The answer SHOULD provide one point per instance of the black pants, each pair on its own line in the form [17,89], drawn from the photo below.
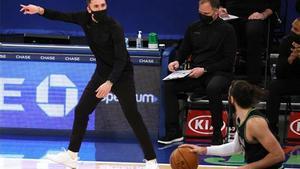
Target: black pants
[124,89]
[278,88]
[215,86]
[251,36]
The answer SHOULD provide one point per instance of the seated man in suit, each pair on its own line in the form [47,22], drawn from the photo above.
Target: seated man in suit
[288,74]
[211,43]
[251,29]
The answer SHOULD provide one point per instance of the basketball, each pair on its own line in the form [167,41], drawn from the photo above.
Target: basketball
[183,158]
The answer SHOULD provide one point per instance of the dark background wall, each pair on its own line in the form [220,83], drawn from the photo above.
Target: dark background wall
[288,13]
[169,18]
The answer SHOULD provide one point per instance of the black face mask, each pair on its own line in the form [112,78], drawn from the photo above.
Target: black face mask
[295,37]
[100,15]
[206,19]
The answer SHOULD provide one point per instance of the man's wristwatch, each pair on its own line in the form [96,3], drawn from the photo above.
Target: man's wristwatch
[205,70]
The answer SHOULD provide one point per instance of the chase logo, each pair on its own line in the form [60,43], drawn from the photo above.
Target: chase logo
[42,95]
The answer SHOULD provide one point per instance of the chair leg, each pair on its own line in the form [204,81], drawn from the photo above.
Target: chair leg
[230,123]
[267,59]
[183,111]
[287,111]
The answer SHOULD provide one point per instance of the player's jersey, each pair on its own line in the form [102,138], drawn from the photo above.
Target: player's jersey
[253,151]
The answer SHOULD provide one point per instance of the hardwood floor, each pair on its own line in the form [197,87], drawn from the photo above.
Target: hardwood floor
[15,163]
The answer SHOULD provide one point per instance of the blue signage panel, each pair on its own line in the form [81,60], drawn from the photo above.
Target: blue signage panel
[41,95]
[41,90]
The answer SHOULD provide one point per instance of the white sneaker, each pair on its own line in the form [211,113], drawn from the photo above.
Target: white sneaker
[65,159]
[151,164]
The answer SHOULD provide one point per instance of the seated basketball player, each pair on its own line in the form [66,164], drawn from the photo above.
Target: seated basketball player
[253,137]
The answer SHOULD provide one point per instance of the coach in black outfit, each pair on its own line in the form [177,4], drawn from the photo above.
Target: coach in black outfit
[211,43]
[114,72]
[251,29]
[288,74]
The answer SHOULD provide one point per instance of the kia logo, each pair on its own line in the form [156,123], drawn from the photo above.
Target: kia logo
[202,125]
[295,127]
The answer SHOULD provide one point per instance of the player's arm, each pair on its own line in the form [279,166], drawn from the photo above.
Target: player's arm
[220,150]
[226,149]
[257,129]
[50,14]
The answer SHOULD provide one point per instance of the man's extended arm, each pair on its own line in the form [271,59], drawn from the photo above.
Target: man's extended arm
[76,18]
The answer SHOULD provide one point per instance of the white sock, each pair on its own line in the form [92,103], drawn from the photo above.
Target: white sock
[153,160]
[73,155]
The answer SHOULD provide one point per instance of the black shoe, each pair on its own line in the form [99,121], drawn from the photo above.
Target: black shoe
[217,139]
[170,138]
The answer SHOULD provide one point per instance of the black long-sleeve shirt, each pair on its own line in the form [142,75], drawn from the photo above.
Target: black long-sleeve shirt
[212,46]
[105,39]
[285,70]
[244,8]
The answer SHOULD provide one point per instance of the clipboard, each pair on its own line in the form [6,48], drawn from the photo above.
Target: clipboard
[178,74]
[229,17]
